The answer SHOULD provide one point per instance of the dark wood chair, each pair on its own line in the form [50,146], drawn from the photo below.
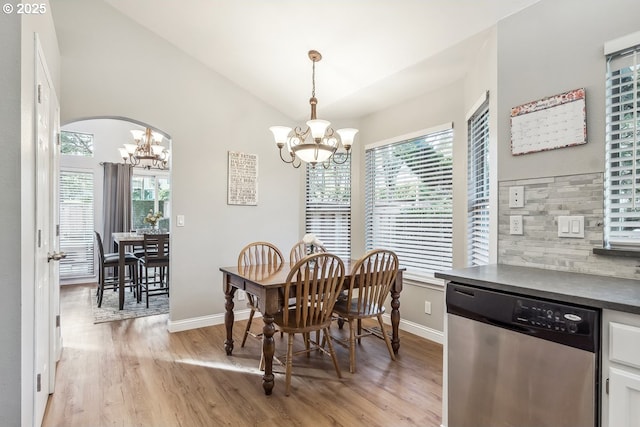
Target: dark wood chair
[111,261]
[263,254]
[155,257]
[315,281]
[371,281]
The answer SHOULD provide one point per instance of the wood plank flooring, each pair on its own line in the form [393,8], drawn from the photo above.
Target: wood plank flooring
[135,373]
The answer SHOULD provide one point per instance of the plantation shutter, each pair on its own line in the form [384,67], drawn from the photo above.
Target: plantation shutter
[478,187]
[408,200]
[622,177]
[76,224]
[328,205]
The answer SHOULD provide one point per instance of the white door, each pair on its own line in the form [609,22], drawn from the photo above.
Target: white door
[55,344]
[45,268]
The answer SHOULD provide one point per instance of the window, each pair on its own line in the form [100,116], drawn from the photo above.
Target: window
[408,200]
[150,193]
[76,144]
[76,224]
[478,186]
[622,169]
[328,205]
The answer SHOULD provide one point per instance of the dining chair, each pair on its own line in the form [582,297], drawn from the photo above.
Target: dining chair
[315,281]
[263,254]
[156,257]
[371,279]
[301,250]
[111,260]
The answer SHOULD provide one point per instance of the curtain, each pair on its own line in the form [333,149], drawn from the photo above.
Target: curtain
[116,210]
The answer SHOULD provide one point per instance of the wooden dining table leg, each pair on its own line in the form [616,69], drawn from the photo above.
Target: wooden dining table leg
[395,321]
[228,316]
[268,350]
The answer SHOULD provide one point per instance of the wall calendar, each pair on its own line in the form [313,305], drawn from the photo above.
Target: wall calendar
[242,186]
[549,123]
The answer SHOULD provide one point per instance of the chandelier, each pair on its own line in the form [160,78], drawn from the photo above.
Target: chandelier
[318,143]
[147,151]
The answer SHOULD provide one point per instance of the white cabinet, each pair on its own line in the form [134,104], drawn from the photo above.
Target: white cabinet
[621,367]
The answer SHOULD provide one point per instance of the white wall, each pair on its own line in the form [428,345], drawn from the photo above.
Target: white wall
[10,276]
[17,217]
[550,48]
[113,67]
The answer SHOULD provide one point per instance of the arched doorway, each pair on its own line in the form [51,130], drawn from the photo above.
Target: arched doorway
[87,145]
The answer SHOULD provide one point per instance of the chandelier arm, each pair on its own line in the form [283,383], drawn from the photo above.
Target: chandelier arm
[342,162]
[293,157]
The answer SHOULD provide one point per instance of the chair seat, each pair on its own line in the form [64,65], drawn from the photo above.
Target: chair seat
[345,309]
[113,258]
[291,326]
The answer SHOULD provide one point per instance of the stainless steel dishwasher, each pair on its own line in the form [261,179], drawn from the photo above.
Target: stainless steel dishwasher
[518,361]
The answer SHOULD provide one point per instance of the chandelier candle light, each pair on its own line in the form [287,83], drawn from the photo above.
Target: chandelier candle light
[147,151]
[318,143]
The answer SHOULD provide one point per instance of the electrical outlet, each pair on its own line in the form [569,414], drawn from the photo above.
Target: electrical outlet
[516,197]
[241,295]
[515,224]
[427,307]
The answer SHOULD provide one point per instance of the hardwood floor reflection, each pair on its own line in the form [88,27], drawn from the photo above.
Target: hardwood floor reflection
[135,373]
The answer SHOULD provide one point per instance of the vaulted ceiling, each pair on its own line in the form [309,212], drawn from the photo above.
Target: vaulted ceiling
[375,52]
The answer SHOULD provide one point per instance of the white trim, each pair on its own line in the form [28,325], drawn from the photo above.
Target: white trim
[417,329]
[622,43]
[218,319]
[476,105]
[405,137]
[205,321]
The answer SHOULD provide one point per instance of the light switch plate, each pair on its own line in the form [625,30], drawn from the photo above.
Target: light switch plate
[180,220]
[571,226]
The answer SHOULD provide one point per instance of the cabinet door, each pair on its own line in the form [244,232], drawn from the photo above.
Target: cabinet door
[624,398]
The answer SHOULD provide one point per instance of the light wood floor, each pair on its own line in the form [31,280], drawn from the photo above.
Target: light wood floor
[135,373]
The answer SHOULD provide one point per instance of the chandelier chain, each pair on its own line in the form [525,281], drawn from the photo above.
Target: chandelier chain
[313,79]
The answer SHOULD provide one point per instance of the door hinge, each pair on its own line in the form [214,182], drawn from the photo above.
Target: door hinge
[606,384]
[58,321]
[39,238]
[59,139]
[57,230]
[39,382]
[39,94]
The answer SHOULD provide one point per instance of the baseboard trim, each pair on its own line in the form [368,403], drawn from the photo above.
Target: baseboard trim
[417,329]
[218,319]
[204,321]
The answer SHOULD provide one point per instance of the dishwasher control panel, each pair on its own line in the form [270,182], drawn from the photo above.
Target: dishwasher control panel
[550,316]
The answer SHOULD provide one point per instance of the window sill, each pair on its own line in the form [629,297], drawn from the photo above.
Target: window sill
[629,253]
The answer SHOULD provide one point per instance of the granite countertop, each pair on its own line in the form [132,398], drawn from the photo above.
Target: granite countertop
[583,289]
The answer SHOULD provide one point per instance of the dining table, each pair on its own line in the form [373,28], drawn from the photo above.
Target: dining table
[266,283]
[123,240]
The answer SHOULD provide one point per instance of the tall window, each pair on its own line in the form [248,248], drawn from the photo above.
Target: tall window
[150,193]
[478,186]
[622,177]
[408,200]
[328,206]
[76,224]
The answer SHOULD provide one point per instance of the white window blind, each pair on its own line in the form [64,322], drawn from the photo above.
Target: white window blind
[328,205]
[478,187]
[408,201]
[76,224]
[622,176]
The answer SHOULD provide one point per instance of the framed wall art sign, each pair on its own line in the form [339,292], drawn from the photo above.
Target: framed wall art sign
[549,123]
[242,179]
